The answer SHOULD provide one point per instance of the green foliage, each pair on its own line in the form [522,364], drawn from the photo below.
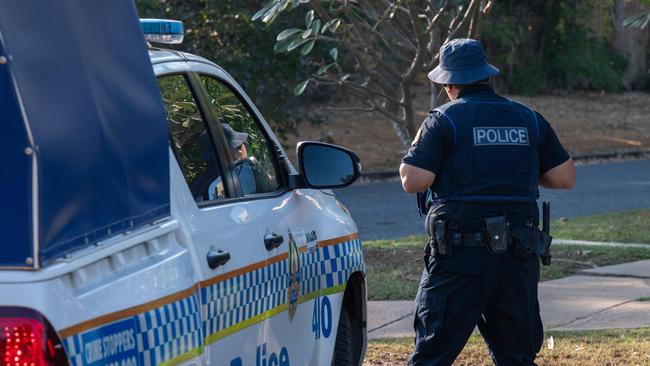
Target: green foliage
[223,31]
[585,63]
[527,77]
[541,45]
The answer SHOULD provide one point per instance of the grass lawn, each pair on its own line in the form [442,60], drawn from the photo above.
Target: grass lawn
[588,348]
[394,266]
[626,227]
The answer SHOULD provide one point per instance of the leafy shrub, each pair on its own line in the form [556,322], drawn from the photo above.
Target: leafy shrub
[541,45]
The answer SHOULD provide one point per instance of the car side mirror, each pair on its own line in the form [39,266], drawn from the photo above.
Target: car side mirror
[326,166]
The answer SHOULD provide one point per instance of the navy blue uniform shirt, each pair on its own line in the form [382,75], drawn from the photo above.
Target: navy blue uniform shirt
[434,142]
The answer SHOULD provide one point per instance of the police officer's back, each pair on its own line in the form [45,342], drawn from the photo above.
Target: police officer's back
[481,156]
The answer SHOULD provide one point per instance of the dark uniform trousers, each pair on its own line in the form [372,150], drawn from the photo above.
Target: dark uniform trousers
[469,288]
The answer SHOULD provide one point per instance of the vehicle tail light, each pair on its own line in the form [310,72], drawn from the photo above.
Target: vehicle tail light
[27,339]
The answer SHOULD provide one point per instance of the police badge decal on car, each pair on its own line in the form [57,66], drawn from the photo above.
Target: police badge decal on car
[293,288]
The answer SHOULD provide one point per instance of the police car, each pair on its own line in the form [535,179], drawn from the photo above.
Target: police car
[183,237]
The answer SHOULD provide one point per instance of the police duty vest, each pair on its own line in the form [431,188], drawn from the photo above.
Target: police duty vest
[494,153]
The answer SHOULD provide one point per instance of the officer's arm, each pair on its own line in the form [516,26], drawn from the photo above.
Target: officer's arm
[562,176]
[415,179]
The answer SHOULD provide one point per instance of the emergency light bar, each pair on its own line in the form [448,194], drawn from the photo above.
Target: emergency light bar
[162,30]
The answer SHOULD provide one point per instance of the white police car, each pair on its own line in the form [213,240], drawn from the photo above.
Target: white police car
[135,243]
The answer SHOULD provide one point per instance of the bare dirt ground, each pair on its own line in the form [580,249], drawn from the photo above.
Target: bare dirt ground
[587,124]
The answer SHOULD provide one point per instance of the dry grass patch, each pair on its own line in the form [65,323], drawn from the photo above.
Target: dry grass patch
[587,123]
[584,348]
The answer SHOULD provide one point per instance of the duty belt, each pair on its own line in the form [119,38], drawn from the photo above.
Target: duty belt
[494,236]
[467,240]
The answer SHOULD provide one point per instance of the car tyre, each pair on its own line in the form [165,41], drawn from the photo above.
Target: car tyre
[344,346]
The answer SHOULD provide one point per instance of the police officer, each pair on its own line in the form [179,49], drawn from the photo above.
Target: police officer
[481,156]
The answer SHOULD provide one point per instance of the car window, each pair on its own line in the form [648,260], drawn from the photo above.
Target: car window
[191,141]
[254,163]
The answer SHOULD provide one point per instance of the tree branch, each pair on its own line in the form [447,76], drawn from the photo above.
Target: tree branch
[351,109]
[421,43]
[472,5]
[356,86]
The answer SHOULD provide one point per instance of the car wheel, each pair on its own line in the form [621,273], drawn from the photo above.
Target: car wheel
[343,349]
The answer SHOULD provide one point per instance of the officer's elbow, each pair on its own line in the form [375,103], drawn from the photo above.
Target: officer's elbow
[569,182]
[415,179]
[412,187]
[560,177]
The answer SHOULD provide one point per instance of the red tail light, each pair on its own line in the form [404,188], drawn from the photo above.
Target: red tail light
[27,339]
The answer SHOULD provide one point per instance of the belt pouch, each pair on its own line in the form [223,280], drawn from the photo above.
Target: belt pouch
[525,241]
[496,229]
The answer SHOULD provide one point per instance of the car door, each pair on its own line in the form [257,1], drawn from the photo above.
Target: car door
[216,224]
[283,220]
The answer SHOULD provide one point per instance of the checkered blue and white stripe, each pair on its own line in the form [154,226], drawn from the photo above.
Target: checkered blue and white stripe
[174,329]
[160,334]
[237,299]
[340,261]
[169,331]
[310,270]
[74,350]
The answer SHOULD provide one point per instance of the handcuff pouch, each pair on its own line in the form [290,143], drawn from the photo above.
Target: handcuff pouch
[496,234]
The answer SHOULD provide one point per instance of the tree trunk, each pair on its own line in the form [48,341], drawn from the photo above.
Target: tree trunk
[402,134]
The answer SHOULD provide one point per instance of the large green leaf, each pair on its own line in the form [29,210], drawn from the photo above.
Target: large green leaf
[307,33]
[287,33]
[309,17]
[297,42]
[330,23]
[315,26]
[272,13]
[334,53]
[283,45]
[323,69]
[300,88]
[263,11]
[283,5]
[335,25]
[307,48]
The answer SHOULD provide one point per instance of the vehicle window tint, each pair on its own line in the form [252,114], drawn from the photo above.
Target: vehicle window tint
[254,164]
[190,140]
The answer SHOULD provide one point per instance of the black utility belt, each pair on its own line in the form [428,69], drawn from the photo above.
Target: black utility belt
[467,240]
[495,235]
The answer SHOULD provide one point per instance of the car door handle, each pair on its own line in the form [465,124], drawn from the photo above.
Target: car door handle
[217,258]
[272,241]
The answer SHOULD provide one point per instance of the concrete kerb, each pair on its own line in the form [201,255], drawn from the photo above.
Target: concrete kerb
[573,303]
[599,243]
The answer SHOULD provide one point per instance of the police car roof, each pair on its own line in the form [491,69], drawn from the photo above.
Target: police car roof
[162,55]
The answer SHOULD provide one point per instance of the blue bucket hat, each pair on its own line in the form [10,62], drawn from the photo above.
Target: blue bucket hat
[233,137]
[462,61]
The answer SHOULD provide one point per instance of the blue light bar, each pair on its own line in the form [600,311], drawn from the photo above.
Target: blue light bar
[162,30]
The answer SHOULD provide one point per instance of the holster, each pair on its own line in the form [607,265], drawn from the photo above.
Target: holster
[436,228]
